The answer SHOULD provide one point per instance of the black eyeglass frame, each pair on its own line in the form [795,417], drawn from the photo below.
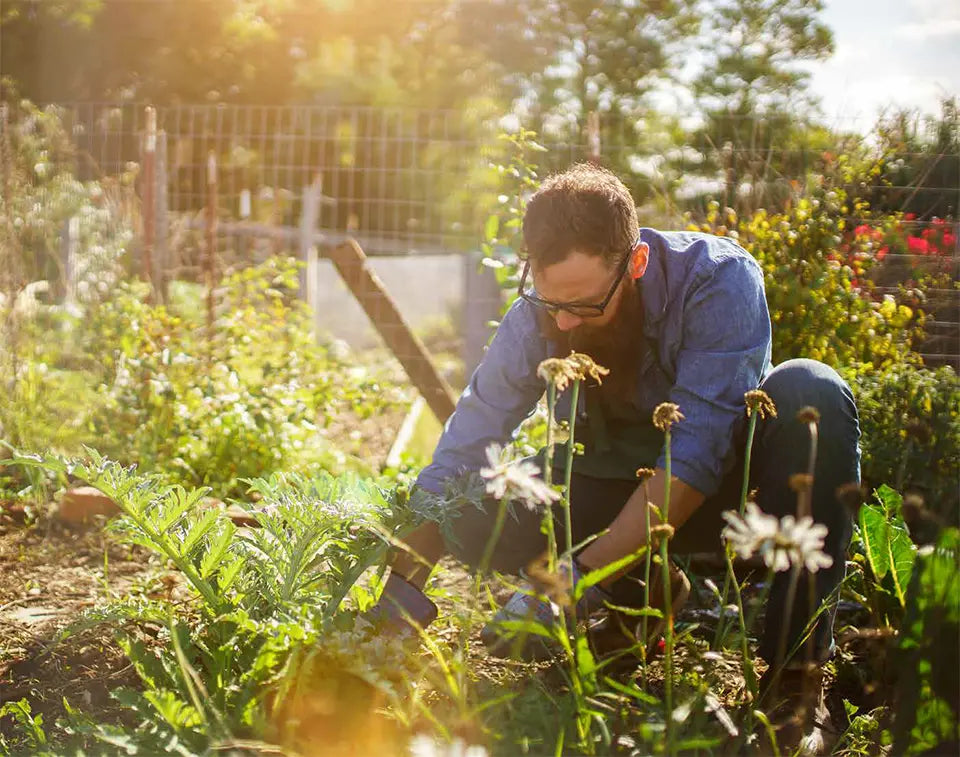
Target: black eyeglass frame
[579,309]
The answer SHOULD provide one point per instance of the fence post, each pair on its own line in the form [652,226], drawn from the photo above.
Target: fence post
[211,238]
[309,215]
[481,304]
[162,256]
[148,201]
[351,263]
[68,258]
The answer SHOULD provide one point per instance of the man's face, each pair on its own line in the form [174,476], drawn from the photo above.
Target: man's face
[580,278]
[613,339]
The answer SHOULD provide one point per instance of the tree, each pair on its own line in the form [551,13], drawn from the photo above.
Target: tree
[758,128]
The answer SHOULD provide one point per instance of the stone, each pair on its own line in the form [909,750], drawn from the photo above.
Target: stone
[81,504]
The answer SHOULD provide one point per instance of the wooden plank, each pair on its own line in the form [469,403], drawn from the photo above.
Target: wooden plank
[369,291]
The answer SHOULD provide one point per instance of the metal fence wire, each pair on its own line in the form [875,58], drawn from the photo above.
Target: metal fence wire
[408,181]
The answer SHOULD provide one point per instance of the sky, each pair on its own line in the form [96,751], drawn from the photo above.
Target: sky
[903,53]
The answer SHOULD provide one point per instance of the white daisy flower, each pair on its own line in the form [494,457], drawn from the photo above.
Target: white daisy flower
[507,478]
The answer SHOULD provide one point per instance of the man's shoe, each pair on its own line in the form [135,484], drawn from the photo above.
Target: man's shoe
[504,635]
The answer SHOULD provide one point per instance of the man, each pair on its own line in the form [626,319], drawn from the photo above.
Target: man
[678,317]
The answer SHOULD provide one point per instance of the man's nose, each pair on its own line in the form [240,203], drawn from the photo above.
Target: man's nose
[567,321]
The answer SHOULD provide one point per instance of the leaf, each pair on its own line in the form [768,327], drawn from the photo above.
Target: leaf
[876,538]
[217,550]
[491,228]
[596,576]
[887,543]
[199,530]
[891,500]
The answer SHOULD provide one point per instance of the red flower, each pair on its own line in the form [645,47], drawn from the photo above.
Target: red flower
[949,240]
[918,245]
[909,216]
[882,252]
[862,230]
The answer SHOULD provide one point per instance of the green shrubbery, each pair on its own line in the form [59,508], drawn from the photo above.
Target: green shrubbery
[210,408]
[90,359]
[820,308]
[910,421]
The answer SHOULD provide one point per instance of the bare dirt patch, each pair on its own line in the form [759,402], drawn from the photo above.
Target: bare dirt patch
[50,576]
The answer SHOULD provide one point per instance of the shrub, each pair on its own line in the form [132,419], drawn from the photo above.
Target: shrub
[816,310]
[910,422]
[242,401]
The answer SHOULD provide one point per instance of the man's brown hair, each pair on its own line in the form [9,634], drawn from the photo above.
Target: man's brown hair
[584,208]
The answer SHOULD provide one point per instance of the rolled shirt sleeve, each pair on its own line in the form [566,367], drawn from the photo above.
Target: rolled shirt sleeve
[723,353]
[502,392]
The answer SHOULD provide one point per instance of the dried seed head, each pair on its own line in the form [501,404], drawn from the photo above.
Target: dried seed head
[808,415]
[666,414]
[662,530]
[556,371]
[759,401]
[645,474]
[555,585]
[800,482]
[585,367]
[851,495]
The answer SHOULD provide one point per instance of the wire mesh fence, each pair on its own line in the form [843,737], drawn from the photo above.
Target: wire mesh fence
[416,182]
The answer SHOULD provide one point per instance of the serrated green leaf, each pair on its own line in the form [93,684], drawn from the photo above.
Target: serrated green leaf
[217,549]
[198,531]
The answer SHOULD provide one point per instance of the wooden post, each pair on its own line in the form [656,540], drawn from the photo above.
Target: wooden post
[593,138]
[351,263]
[309,215]
[148,212]
[162,256]
[68,257]
[481,304]
[211,239]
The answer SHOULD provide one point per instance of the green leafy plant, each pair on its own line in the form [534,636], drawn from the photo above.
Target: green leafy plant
[927,711]
[910,426]
[815,310]
[886,542]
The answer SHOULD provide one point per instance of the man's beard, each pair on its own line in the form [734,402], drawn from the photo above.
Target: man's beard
[615,345]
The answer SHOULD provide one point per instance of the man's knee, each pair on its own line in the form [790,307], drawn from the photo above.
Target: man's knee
[799,383]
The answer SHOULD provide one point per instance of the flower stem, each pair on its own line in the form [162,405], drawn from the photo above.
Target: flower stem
[548,478]
[647,560]
[568,473]
[744,489]
[667,601]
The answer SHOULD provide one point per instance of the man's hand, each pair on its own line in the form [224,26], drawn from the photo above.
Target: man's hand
[627,534]
[525,605]
[402,607]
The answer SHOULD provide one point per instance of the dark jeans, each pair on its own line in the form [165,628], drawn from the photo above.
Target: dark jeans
[780,448]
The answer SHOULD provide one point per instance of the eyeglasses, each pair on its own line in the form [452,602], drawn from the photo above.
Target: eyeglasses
[579,309]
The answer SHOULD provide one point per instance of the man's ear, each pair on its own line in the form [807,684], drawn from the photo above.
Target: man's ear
[638,263]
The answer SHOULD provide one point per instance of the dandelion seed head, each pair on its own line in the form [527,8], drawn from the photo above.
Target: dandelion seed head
[558,372]
[666,414]
[759,402]
[644,474]
[851,495]
[585,367]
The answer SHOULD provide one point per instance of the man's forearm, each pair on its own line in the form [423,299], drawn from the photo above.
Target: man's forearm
[628,532]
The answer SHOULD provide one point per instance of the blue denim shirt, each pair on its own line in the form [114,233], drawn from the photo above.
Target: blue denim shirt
[706,322]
